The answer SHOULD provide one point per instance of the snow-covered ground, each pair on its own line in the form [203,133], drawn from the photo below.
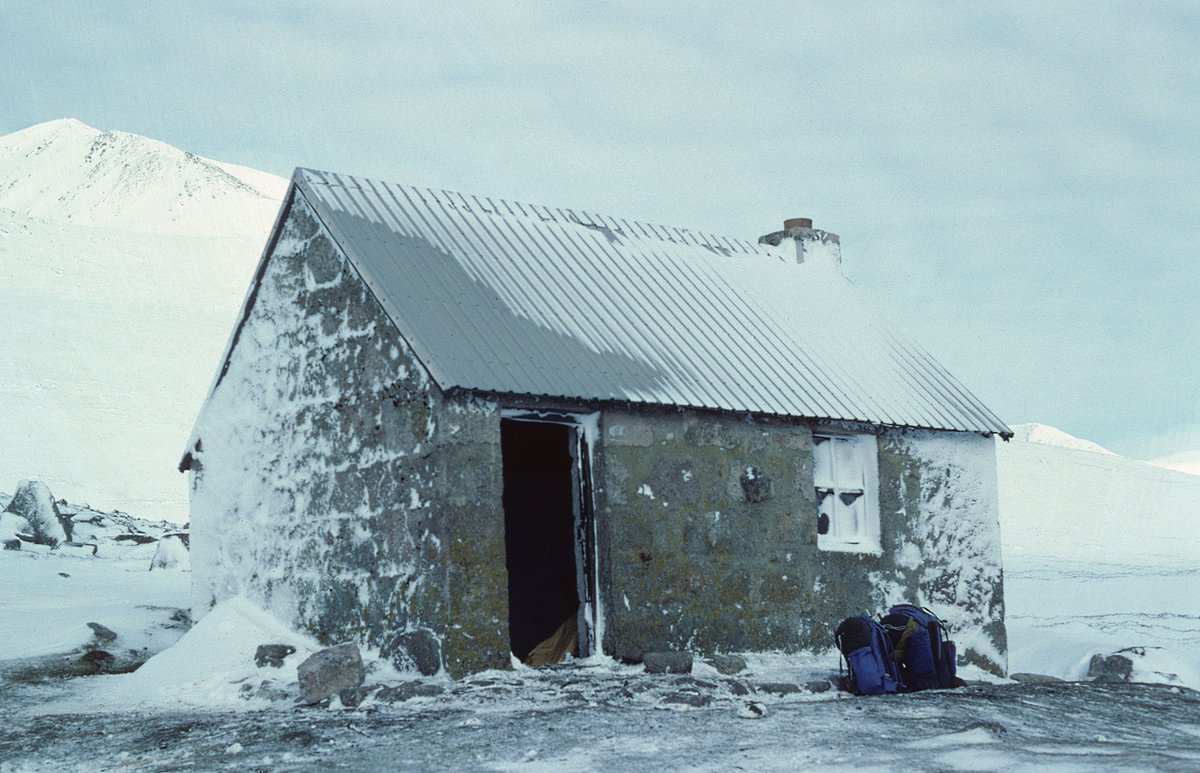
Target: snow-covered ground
[49,595]
[1101,553]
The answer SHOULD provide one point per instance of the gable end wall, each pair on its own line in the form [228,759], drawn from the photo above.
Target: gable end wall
[336,485]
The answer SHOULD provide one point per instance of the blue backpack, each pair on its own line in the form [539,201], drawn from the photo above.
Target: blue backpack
[868,652]
[927,657]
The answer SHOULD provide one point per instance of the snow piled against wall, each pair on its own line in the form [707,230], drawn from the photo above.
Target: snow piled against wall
[952,552]
[281,509]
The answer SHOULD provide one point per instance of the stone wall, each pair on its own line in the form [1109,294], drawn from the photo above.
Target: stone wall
[708,531]
[335,485]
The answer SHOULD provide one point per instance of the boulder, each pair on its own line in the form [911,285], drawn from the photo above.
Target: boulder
[668,662]
[34,503]
[101,633]
[12,544]
[727,664]
[330,671]
[417,650]
[1111,668]
[818,685]
[171,553]
[272,654]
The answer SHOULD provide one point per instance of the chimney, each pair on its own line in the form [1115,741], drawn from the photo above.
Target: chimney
[813,246]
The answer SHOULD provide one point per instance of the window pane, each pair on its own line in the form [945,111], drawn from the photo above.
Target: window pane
[823,464]
[847,464]
[851,517]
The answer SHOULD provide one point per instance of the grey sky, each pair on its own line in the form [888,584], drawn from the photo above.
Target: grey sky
[1018,183]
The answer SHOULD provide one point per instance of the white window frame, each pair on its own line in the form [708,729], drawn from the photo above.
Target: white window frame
[846,484]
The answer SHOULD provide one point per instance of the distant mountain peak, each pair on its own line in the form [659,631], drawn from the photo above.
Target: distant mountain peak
[67,171]
[1052,436]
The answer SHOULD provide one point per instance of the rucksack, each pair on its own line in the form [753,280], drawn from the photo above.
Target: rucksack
[868,653]
[919,639]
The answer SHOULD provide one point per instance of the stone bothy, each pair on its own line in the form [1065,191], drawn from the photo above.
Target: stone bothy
[447,427]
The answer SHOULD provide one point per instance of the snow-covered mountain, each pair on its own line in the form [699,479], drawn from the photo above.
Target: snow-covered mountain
[123,262]
[68,172]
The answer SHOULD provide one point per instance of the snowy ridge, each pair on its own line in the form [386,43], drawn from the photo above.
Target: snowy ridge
[1188,462]
[66,171]
[1052,436]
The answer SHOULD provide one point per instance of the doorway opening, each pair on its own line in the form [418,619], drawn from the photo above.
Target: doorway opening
[548,537]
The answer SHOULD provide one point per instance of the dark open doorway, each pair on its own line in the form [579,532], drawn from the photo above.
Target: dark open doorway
[547,532]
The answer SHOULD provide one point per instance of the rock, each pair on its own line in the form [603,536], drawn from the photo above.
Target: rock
[34,503]
[266,690]
[12,544]
[818,685]
[1025,678]
[407,690]
[779,688]
[102,633]
[330,671]
[756,485]
[98,661]
[691,681]
[688,698]
[752,710]
[272,654]
[172,553]
[182,536]
[738,687]
[301,737]
[356,695]
[727,664]
[137,539]
[86,549]
[417,650]
[668,662]
[1113,668]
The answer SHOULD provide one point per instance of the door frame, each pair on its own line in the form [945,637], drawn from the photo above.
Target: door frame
[583,432]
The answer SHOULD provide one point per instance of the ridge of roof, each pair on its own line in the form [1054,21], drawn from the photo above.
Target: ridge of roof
[497,207]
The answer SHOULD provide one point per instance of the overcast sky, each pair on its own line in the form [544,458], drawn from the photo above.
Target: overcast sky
[1018,183]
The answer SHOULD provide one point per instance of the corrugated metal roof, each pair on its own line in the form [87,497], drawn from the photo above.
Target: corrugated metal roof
[502,297]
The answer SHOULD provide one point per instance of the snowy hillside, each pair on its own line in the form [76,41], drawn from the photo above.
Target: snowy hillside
[123,263]
[67,172]
[1101,554]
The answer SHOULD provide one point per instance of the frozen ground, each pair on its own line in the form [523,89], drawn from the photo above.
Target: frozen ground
[199,704]
[619,721]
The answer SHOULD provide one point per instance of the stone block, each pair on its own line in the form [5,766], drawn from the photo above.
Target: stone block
[330,671]
[667,662]
[418,651]
[272,654]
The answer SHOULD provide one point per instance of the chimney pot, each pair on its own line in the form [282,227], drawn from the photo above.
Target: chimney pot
[797,222]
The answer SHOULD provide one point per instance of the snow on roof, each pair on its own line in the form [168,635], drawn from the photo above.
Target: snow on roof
[500,297]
